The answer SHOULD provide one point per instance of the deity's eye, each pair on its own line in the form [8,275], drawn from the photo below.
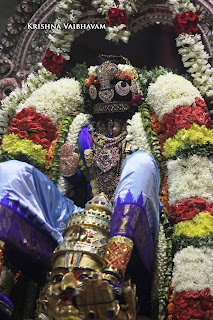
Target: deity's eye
[82,276]
[57,278]
[122,88]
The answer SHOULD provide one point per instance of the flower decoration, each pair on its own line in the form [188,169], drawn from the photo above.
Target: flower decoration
[200,226]
[186,22]
[116,17]
[136,100]
[33,126]
[137,135]
[188,208]
[188,140]
[53,62]
[56,99]
[194,56]
[169,91]
[183,117]
[26,150]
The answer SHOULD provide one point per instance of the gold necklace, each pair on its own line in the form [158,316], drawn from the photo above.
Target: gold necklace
[101,140]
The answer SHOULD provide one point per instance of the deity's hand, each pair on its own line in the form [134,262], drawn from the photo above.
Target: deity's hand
[68,160]
[95,299]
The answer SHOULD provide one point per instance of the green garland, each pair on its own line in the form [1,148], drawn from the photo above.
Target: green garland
[151,134]
[146,77]
[55,168]
[6,156]
[205,150]
[180,242]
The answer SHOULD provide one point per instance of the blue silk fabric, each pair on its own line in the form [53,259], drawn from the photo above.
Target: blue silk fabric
[33,213]
[137,206]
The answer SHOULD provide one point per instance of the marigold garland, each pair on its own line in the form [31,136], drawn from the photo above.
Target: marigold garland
[200,225]
[51,150]
[13,144]
[195,135]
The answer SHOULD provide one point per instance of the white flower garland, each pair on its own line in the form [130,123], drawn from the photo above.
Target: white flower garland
[178,7]
[193,269]
[103,6]
[56,99]
[63,185]
[9,104]
[161,269]
[195,59]
[80,121]
[169,91]
[137,135]
[92,70]
[188,178]
[116,33]
[194,56]
[61,39]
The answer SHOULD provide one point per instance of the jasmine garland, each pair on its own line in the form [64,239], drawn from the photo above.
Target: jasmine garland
[186,180]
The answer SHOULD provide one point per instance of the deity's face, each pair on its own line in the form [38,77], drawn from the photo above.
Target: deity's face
[65,279]
[63,284]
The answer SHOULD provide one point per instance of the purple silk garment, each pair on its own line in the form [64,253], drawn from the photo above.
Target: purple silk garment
[130,220]
[137,206]
[84,142]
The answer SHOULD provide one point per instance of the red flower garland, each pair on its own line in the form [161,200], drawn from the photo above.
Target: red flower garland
[187,209]
[186,22]
[33,126]
[193,305]
[116,17]
[183,117]
[53,62]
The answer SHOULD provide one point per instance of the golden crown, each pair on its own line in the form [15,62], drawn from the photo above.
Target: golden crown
[86,234]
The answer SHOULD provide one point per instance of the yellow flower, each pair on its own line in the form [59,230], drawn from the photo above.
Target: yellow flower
[196,135]
[200,225]
[12,144]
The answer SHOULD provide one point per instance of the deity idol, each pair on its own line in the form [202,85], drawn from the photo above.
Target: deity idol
[129,179]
